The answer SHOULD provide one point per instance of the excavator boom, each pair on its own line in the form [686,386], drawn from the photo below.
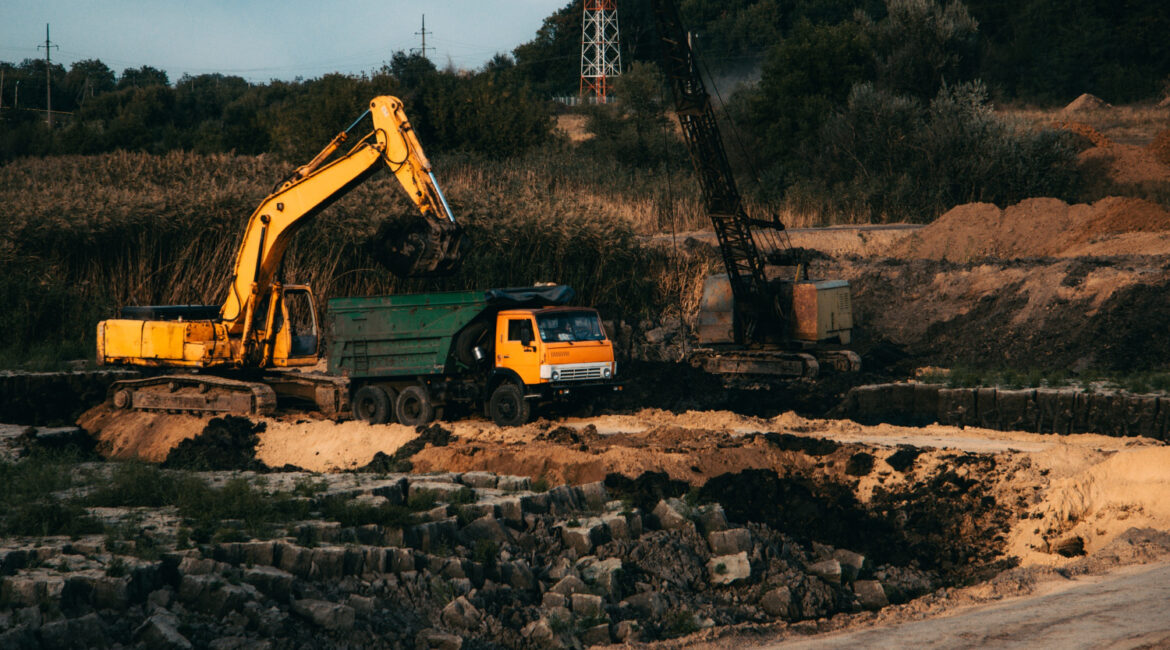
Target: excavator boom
[432,246]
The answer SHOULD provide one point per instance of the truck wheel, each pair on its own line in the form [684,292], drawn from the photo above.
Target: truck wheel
[372,404]
[414,406]
[508,406]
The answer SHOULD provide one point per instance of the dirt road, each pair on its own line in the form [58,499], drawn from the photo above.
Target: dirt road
[1125,608]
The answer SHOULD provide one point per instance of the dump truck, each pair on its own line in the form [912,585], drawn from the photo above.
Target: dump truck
[407,358]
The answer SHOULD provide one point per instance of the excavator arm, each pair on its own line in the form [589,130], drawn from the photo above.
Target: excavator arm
[421,248]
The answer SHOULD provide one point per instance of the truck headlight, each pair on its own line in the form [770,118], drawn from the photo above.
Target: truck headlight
[556,374]
[606,372]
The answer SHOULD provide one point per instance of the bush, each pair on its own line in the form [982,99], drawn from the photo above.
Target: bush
[893,158]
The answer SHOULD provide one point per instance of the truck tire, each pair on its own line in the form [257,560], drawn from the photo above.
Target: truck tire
[414,406]
[372,404]
[508,406]
[467,340]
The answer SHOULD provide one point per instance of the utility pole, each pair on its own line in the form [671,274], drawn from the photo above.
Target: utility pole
[423,33]
[1,88]
[48,77]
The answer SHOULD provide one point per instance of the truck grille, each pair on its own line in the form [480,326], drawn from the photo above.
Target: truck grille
[578,374]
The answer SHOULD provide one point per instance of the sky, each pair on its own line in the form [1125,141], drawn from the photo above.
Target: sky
[261,40]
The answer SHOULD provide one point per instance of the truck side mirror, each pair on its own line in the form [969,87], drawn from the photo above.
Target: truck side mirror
[526,337]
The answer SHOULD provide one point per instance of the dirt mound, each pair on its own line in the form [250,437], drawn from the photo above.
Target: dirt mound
[1086,131]
[1086,102]
[227,443]
[1042,227]
[1160,147]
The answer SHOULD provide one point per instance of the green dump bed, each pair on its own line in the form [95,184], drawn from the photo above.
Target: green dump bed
[385,336]
[411,335]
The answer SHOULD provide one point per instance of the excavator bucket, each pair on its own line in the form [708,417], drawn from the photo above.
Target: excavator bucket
[418,248]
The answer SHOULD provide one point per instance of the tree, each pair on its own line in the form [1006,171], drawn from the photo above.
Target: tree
[142,78]
[921,45]
[88,78]
[551,61]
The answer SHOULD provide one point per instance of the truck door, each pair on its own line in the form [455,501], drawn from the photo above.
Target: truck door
[516,347]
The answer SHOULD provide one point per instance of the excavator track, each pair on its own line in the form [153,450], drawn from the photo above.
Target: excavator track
[197,394]
[775,363]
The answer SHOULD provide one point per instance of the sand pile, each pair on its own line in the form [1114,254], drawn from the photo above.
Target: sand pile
[1086,102]
[1094,497]
[1042,227]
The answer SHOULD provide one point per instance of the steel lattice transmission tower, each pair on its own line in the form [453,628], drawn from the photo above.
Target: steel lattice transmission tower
[600,57]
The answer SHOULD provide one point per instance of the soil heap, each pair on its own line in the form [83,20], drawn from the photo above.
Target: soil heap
[1042,227]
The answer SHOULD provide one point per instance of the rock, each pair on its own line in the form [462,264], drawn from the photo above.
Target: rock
[604,574]
[514,483]
[671,514]
[432,638]
[627,631]
[363,605]
[564,498]
[587,605]
[569,585]
[539,632]
[480,479]
[870,594]
[711,518]
[647,603]
[553,599]
[596,635]
[827,570]
[83,632]
[726,569]
[776,602]
[322,613]
[851,563]
[583,538]
[486,528]
[161,631]
[443,491]
[518,575]
[595,494]
[728,542]
[616,525]
[461,614]
[273,582]
[560,568]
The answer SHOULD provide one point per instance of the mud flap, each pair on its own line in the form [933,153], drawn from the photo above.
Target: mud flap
[418,248]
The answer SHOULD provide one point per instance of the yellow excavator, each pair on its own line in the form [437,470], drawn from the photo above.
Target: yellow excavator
[263,323]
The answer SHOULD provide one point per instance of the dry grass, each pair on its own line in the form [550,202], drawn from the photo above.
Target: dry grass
[86,235]
[1135,124]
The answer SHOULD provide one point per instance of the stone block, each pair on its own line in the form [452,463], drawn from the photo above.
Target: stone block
[671,514]
[325,614]
[461,614]
[728,542]
[777,602]
[726,569]
[827,570]
[480,479]
[587,605]
[870,594]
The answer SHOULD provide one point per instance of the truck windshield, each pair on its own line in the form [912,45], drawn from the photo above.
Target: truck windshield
[570,326]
